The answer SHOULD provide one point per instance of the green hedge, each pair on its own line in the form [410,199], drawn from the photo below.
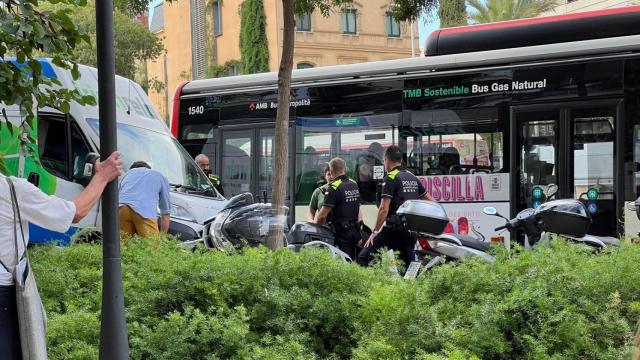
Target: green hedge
[558,302]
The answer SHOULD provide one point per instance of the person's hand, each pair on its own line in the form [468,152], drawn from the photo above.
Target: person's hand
[109,169]
[370,240]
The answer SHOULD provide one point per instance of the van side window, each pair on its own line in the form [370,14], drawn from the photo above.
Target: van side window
[52,144]
[79,151]
[62,146]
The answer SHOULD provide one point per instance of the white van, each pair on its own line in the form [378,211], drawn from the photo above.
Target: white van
[53,153]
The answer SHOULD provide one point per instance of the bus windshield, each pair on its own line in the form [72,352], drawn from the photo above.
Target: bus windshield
[162,153]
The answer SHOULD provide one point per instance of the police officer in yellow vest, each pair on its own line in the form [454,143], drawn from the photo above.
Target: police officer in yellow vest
[203,162]
[341,208]
[399,186]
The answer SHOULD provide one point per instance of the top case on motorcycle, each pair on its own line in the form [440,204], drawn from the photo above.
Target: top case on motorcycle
[423,216]
[303,233]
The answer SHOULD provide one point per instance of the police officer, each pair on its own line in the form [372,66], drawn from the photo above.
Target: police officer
[399,186]
[203,162]
[341,208]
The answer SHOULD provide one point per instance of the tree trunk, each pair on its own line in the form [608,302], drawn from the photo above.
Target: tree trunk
[280,171]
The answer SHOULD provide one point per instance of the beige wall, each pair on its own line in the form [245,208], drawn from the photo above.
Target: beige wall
[324,45]
[228,43]
[176,37]
[565,7]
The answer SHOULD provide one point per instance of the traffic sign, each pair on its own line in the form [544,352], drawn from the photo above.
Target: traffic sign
[592,207]
[592,194]
[536,203]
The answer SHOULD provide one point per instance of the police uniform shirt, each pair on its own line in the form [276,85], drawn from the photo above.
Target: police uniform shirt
[343,197]
[400,185]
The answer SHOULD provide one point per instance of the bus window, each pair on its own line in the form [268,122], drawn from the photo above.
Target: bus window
[455,154]
[454,142]
[197,131]
[363,151]
[593,153]
[236,162]
[314,151]
[360,139]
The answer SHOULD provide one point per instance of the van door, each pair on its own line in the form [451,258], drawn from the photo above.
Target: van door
[62,149]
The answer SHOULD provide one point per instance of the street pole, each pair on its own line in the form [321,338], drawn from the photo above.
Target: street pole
[113,327]
[413,40]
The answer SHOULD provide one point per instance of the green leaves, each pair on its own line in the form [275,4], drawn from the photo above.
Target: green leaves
[552,303]
[254,48]
[25,32]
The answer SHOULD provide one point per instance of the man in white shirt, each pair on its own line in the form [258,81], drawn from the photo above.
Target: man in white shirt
[45,211]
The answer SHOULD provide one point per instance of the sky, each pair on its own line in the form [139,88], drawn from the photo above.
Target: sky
[427,28]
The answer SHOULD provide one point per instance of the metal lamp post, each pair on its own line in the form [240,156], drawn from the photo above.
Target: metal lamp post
[113,328]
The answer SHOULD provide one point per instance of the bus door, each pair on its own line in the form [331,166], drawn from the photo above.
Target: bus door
[573,147]
[247,162]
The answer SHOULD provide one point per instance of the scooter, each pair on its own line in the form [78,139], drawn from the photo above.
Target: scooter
[566,217]
[245,223]
[428,220]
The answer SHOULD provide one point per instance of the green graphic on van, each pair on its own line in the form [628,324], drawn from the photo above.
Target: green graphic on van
[13,161]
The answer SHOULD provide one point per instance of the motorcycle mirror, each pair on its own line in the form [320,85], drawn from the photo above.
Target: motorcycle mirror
[552,189]
[490,210]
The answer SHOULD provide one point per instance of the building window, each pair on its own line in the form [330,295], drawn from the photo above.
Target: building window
[217,18]
[349,21]
[304,65]
[393,26]
[303,22]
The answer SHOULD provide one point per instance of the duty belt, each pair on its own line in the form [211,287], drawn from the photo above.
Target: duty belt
[344,226]
[394,223]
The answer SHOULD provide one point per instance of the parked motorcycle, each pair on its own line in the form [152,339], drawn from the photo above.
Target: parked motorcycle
[566,217]
[428,220]
[245,223]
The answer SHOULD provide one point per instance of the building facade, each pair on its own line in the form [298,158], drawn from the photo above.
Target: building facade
[201,34]
[574,6]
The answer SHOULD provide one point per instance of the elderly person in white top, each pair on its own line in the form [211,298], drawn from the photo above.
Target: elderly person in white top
[48,212]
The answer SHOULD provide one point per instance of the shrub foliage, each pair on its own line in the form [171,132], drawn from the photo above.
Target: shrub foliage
[559,302]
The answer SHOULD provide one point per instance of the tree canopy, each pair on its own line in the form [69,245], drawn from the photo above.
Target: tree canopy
[500,10]
[133,42]
[452,13]
[254,50]
[25,33]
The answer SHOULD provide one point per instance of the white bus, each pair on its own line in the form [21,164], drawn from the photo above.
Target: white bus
[492,115]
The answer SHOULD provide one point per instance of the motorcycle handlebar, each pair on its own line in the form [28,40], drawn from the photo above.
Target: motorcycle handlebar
[500,227]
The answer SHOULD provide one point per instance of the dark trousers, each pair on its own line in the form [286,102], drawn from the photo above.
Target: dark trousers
[347,241]
[9,332]
[400,240]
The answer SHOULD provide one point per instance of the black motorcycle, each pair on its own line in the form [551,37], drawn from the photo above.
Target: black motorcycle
[243,222]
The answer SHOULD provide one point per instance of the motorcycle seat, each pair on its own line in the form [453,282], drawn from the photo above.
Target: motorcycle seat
[471,242]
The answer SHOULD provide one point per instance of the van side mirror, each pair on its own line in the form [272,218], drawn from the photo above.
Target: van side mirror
[83,178]
[552,190]
[34,178]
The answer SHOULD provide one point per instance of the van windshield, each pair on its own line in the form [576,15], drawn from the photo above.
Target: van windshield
[162,153]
